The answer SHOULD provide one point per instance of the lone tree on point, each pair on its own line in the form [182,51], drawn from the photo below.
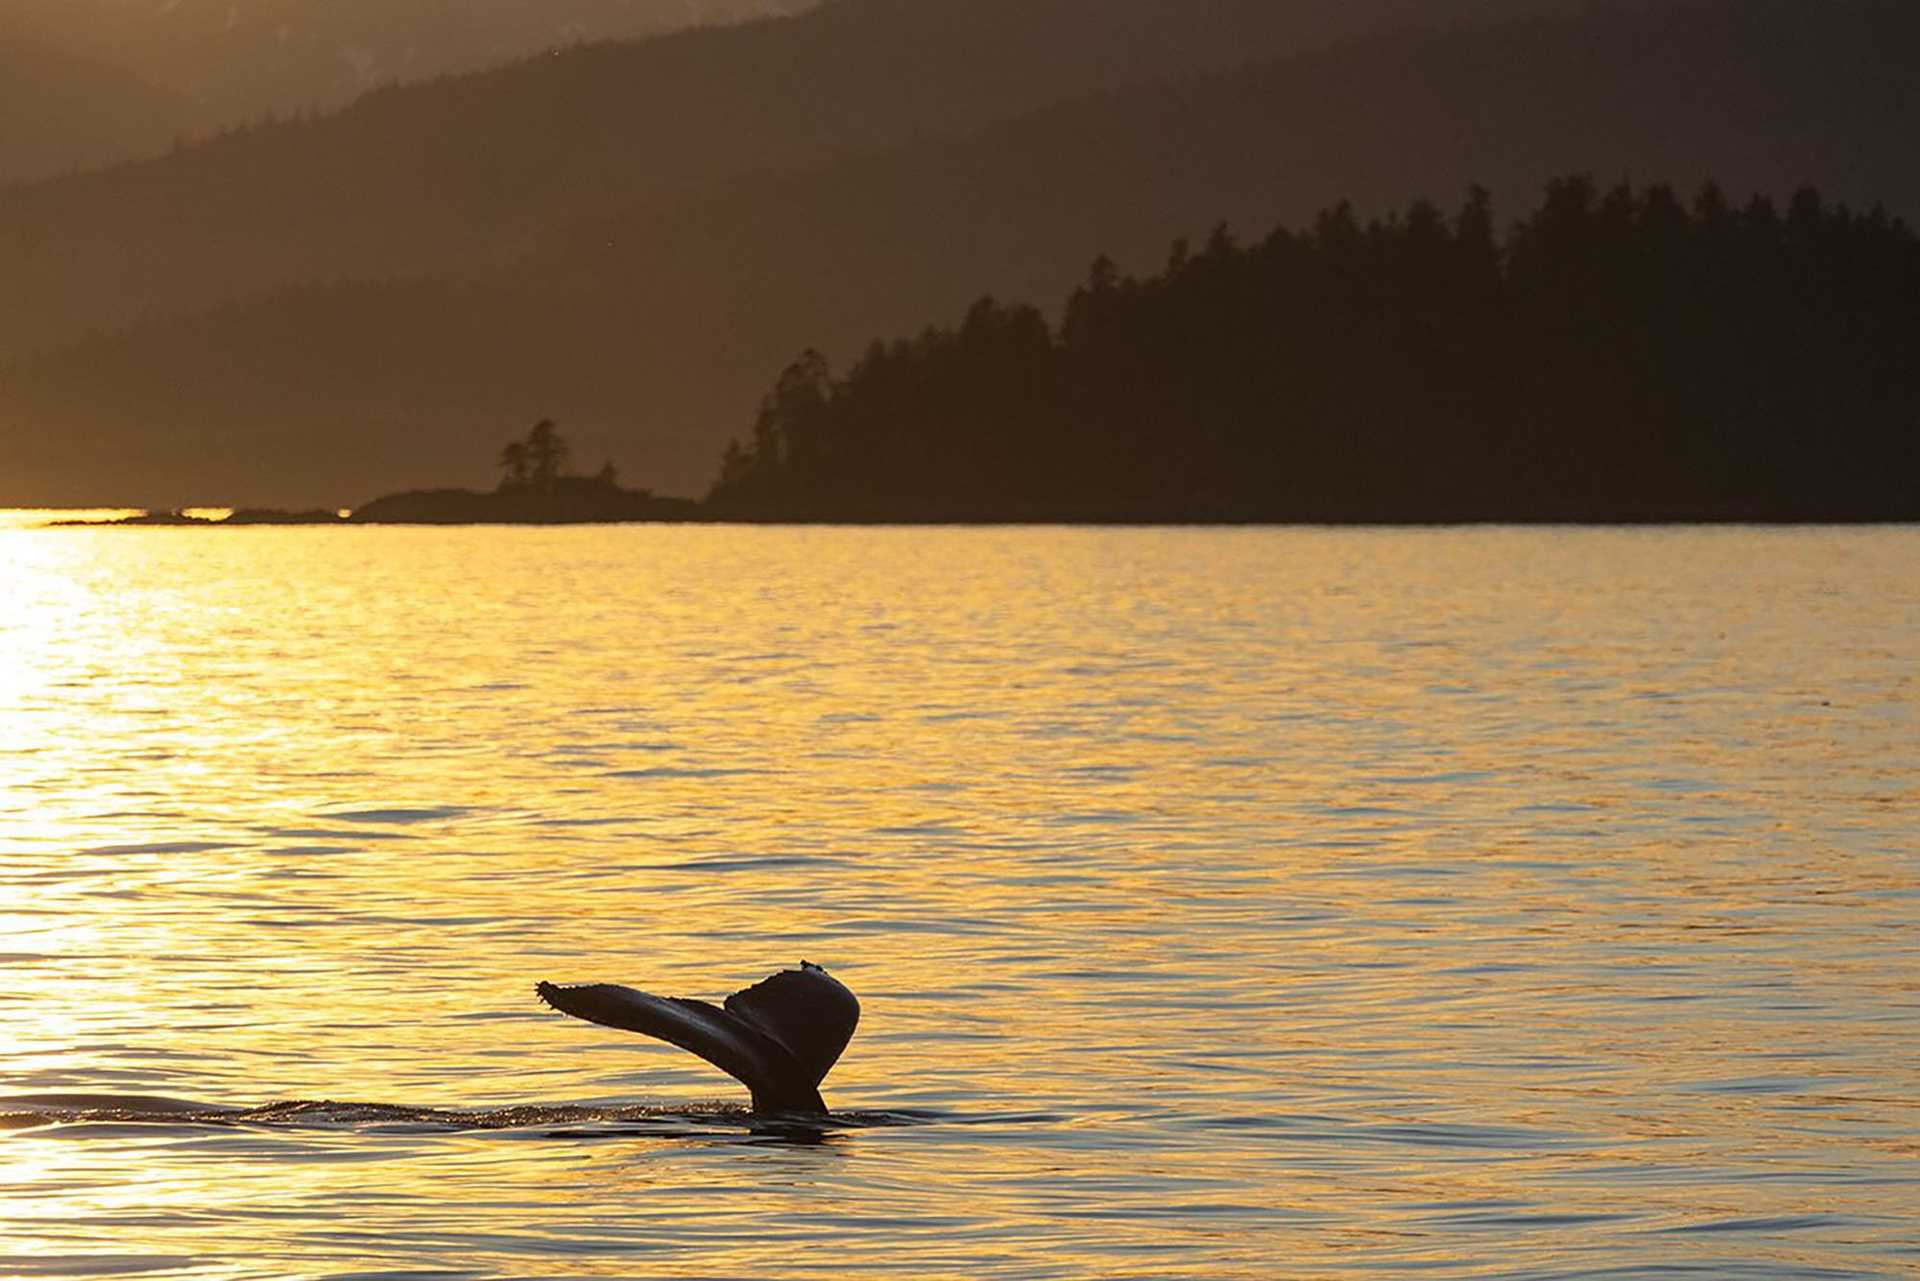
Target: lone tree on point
[537,461]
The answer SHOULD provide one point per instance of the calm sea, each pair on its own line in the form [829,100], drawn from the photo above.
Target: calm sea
[1224,904]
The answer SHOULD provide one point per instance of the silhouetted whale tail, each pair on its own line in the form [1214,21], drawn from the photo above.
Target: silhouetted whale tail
[778,1037]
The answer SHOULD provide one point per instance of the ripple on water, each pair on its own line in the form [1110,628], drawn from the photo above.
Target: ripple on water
[397,815]
[93,1265]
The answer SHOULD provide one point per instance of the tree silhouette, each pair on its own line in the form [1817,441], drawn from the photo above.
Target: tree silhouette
[513,463]
[547,453]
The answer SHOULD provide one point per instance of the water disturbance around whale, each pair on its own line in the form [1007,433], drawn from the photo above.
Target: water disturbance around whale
[779,1037]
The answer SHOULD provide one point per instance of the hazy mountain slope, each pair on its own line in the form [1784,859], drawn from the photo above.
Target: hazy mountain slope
[653,336]
[60,112]
[442,175]
[239,59]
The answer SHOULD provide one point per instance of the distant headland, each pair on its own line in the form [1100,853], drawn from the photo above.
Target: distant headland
[1615,356]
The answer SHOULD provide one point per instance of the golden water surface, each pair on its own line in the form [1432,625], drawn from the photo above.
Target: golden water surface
[1222,903]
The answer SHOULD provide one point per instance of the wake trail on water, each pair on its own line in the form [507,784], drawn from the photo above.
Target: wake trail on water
[41,1111]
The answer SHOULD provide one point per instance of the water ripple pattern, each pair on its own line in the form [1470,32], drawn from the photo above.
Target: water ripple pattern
[1223,903]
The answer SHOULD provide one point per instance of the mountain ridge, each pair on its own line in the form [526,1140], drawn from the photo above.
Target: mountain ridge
[519,153]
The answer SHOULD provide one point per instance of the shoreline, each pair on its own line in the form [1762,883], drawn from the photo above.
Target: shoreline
[168,520]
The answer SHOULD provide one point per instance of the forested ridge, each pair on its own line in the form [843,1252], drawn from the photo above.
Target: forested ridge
[1615,355]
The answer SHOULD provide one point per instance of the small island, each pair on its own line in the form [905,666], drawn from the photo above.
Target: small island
[535,489]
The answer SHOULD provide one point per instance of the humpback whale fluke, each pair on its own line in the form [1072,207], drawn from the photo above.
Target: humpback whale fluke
[778,1037]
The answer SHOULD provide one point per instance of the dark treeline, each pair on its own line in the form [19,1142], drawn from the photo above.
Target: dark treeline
[1614,356]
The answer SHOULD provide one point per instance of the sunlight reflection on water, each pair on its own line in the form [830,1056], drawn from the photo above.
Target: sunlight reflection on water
[1223,903]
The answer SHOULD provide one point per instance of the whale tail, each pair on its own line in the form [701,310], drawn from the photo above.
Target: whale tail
[778,1037]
